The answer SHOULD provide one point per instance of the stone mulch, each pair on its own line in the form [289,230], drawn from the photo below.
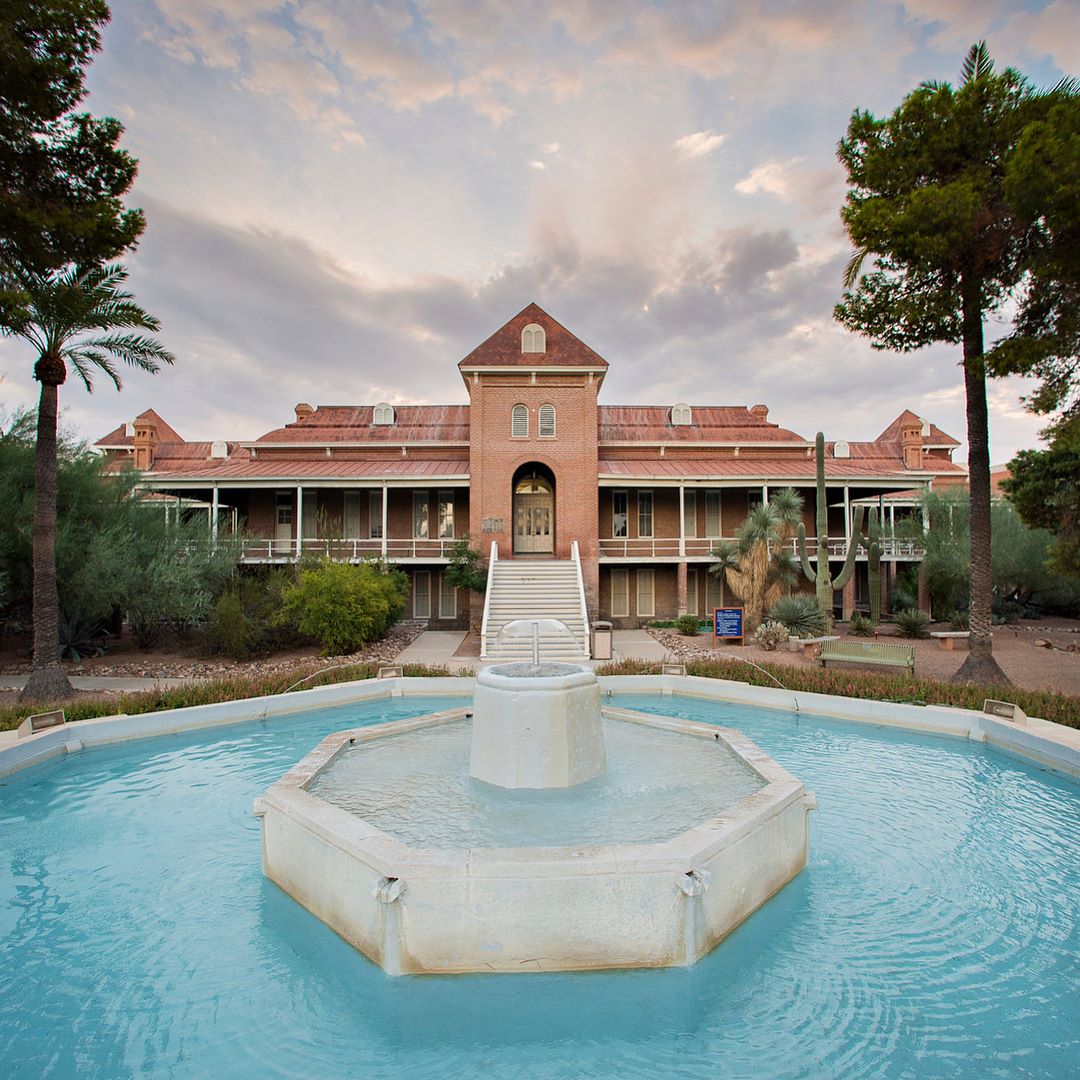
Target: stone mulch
[174,666]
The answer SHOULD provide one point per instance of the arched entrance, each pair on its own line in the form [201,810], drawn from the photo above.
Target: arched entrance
[534,510]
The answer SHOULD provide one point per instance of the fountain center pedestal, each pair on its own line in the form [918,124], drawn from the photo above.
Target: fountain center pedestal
[537,726]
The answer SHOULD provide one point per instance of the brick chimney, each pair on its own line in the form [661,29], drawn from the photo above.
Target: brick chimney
[760,411]
[145,441]
[911,444]
[302,410]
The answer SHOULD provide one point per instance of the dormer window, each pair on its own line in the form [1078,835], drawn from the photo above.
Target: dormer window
[533,339]
[383,414]
[841,449]
[680,415]
[547,422]
[519,422]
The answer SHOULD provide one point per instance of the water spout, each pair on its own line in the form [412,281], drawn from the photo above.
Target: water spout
[536,644]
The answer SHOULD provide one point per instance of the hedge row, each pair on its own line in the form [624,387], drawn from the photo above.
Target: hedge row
[206,693]
[900,688]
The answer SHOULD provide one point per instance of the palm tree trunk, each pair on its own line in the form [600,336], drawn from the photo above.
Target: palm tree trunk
[48,681]
[980,665]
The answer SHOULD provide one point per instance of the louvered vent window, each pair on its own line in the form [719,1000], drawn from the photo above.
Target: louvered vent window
[519,425]
[533,339]
[547,421]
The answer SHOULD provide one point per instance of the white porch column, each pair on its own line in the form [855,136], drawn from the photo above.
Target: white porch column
[299,520]
[682,520]
[765,494]
[384,517]
[214,512]
[892,517]
[847,516]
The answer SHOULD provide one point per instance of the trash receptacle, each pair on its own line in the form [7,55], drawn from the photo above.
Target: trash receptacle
[601,641]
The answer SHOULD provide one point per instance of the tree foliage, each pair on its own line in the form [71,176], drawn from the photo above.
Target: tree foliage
[1045,489]
[466,569]
[114,552]
[62,173]
[929,199]
[1042,183]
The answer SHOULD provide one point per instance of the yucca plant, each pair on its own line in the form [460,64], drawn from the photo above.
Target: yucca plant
[860,625]
[800,614]
[912,623]
[756,566]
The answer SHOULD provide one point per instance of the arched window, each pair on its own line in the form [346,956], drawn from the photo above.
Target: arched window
[533,339]
[383,413]
[680,415]
[547,422]
[841,449]
[519,424]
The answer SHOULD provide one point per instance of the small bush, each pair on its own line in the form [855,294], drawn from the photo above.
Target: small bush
[860,625]
[960,620]
[770,634]
[800,614]
[912,623]
[344,606]
[229,630]
[80,638]
[688,625]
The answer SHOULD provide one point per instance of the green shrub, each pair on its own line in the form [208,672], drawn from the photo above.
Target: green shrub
[688,625]
[343,606]
[912,623]
[770,634]
[229,631]
[466,568]
[860,625]
[960,620]
[800,614]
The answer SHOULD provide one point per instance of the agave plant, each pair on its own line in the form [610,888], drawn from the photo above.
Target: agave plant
[800,614]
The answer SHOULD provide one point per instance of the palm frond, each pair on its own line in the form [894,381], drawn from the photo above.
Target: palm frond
[977,64]
[854,267]
[135,350]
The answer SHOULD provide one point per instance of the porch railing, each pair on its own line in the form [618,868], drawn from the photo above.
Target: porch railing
[667,547]
[345,550]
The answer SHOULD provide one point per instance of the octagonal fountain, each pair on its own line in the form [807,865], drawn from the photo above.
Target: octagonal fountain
[537,831]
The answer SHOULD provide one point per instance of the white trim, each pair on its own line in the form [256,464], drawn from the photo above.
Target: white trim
[453,595]
[525,369]
[575,554]
[487,597]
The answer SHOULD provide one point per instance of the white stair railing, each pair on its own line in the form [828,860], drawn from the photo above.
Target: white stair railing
[487,597]
[575,554]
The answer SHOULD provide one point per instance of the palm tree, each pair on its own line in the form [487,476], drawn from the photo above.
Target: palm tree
[82,317]
[757,566]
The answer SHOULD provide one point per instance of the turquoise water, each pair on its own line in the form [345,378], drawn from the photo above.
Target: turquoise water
[934,933]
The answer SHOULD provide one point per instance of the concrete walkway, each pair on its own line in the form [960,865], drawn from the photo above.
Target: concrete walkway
[437,647]
[104,682]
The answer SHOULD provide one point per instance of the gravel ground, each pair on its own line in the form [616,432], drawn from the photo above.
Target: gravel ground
[1035,656]
[157,664]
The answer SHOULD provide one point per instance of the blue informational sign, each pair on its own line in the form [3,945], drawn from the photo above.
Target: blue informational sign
[727,622]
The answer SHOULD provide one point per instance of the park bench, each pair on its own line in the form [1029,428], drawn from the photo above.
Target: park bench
[946,638]
[868,652]
[808,644]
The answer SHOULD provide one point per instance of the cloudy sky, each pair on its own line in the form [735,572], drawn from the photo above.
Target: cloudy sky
[344,198]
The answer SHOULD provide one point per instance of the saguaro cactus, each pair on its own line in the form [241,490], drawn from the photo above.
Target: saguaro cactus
[823,580]
[872,544]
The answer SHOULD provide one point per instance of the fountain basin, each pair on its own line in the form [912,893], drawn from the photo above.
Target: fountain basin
[419,910]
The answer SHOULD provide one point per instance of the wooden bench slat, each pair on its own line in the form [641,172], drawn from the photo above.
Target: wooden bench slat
[868,652]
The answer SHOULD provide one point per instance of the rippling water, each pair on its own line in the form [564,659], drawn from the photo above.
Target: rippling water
[416,786]
[934,933]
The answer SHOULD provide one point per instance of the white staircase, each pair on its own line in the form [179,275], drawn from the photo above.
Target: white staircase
[535,589]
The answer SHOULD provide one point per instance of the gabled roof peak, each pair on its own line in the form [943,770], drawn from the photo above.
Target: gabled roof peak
[505,347]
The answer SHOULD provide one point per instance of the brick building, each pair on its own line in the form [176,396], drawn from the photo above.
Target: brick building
[533,469]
